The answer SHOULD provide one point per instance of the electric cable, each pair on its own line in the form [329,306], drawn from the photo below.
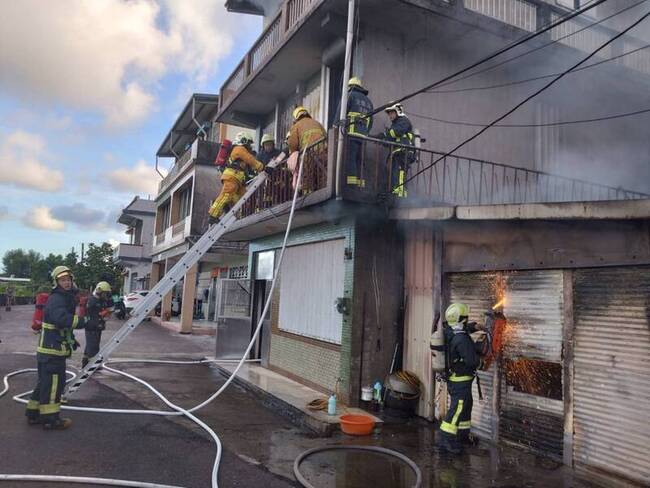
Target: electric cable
[382,450]
[548,124]
[495,54]
[530,97]
[538,48]
[541,77]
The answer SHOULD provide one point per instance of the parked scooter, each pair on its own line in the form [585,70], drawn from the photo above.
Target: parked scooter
[119,309]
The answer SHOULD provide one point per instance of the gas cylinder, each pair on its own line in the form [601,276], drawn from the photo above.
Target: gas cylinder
[223,154]
[37,318]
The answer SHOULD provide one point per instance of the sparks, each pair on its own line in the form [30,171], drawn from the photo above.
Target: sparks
[500,303]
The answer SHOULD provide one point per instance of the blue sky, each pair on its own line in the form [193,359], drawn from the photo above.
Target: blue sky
[84,109]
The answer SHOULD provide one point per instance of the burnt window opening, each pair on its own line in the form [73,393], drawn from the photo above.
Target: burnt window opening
[534,377]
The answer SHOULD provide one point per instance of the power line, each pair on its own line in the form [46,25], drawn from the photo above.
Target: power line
[555,41]
[549,124]
[530,97]
[521,41]
[542,77]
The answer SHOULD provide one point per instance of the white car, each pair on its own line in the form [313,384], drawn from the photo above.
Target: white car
[132,299]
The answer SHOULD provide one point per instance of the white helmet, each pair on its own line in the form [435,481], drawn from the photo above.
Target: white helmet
[396,107]
[242,139]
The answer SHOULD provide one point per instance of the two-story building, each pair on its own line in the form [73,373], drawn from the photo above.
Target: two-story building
[135,256]
[210,291]
[548,209]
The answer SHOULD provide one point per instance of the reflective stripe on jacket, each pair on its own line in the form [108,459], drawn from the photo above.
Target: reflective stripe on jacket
[59,321]
[359,105]
[304,132]
[401,132]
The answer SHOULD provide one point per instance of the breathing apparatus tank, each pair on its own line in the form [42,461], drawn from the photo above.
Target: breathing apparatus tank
[37,318]
[438,348]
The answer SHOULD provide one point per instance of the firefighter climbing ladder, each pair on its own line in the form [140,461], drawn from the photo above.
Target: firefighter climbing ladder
[165,285]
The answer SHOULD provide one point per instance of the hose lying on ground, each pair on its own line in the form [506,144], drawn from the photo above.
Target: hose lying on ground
[382,450]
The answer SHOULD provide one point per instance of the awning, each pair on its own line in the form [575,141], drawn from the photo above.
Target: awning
[200,108]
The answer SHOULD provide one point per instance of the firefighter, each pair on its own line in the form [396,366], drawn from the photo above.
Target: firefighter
[358,123]
[268,151]
[97,309]
[55,345]
[400,132]
[303,132]
[462,362]
[233,178]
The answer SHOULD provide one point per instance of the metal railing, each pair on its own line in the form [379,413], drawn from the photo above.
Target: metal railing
[178,227]
[160,238]
[176,169]
[289,15]
[279,189]
[457,180]
[267,43]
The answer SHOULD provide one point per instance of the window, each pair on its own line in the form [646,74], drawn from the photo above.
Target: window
[164,217]
[312,275]
[264,265]
[184,202]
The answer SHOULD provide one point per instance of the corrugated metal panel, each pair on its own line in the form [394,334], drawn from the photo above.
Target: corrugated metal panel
[312,275]
[418,279]
[479,292]
[534,308]
[514,12]
[612,371]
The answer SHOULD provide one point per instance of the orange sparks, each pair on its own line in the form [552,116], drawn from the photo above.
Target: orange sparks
[500,303]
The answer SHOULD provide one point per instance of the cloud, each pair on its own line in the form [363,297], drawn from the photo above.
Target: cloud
[79,214]
[41,218]
[114,243]
[4,212]
[109,56]
[141,179]
[20,163]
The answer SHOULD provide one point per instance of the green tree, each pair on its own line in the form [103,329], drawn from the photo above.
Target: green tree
[19,263]
[41,272]
[98,266]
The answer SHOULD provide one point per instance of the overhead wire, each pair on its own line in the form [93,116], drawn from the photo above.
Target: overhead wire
[495,54]
[535,49]
[530,97]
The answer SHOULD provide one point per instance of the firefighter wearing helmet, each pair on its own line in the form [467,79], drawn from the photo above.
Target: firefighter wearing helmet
[98,309]
[304,132]
[400,157]
[463,362]
[55,345]
[268,151]
[358,124]
[233,178]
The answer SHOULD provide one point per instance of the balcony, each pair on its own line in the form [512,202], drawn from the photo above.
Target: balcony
[129,253]
[173,235]
[200,152]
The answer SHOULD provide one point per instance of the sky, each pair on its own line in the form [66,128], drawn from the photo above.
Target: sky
[88,90]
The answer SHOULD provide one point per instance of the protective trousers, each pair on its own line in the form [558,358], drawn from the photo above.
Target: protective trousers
[353,163]
[231,191]
[398,167]
[93,338]
[45,401]
[459,416]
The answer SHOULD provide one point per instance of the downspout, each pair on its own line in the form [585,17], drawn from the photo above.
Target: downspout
[344,94]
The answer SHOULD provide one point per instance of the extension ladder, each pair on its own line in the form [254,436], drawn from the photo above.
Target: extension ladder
[167,282]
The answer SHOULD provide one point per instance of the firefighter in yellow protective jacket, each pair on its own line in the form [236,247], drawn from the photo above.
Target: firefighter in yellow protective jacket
[55,345]
[303,132]
[233,178]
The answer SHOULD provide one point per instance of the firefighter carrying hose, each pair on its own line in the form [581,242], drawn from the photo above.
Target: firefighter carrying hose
[462,363]
[97,309]
[233,178]
[55,345]
[400,132]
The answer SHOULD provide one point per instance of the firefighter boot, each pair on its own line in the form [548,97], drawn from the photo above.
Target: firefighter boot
[448,442]
[33,418]
[57,424]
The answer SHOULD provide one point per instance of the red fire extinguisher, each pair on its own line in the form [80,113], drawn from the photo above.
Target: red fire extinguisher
[83,303]
[37,318]
[223,154]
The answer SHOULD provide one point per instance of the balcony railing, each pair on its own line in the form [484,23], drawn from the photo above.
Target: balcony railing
[290,15]
[179,227]
[160,238]
[455,180]
[279,188]
[176,169]
[124,252]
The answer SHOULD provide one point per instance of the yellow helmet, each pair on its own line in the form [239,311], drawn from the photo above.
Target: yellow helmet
[267,138]
[456,312]
[354,81]
[300,112]
[60,272]
[103,286]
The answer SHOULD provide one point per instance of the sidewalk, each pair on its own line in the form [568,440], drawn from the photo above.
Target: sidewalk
[290,398]
[199,327]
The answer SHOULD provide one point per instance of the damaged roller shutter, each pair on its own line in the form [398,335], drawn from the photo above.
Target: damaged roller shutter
[612,372]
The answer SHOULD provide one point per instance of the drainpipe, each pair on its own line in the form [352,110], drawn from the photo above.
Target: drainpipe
[344,93]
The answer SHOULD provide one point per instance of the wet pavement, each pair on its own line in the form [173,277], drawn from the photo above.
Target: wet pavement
[260,445]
